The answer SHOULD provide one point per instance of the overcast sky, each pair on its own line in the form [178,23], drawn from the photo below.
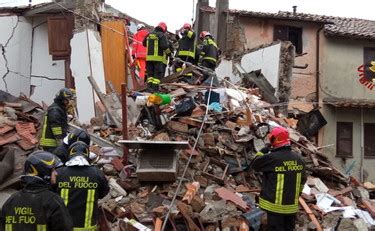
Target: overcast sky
[176,12]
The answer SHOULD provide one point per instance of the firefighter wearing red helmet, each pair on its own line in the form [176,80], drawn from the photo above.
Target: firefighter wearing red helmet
[283,179]
[139,51]
[208,54]
[186,47]
[158,49]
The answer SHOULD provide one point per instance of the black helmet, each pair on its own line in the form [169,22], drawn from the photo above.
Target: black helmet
[78,135]
[79,148]
[65,94]
[40,163]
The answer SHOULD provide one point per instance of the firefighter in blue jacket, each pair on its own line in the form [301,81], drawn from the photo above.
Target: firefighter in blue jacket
[35,207]
[158,51]
[80,185]
[282,183]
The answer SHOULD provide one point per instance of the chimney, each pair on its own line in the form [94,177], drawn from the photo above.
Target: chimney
[294,10]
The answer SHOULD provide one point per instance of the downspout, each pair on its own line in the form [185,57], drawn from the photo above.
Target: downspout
[317,73]
[317,68]
[362,146]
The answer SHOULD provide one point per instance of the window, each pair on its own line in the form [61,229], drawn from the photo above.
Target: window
[289,33]
[344,139]
[369,62]
[369,142]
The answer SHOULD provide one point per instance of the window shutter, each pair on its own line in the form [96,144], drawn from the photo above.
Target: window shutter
[60,31]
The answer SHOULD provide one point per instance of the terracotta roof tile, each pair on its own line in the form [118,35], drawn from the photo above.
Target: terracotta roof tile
[334,26]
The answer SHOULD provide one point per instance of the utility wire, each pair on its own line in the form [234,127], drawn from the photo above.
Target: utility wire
[190,157]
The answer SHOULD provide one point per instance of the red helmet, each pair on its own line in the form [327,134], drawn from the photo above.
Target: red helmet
[279,136]
[203,34]
[186,26]
[163,26]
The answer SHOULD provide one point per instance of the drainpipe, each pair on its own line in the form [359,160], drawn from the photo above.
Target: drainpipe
[362,146]
[317,69]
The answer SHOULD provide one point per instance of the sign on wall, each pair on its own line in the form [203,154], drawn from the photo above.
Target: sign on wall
[367,70]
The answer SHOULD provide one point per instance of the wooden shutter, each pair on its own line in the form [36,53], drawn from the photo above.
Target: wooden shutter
[60,31]
[344,139]
[369,142]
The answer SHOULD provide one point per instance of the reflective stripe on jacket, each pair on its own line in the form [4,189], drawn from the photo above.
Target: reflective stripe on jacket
[186,45]
[157,46]
[35,208]
[283,180]
[209,50]
[55,126]
[80,187]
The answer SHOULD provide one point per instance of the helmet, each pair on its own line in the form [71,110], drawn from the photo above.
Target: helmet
[186,26]
[40,163]
[79,148]
[65,94]
[203,34]
[140,26]
[77,135]
[279,136]
[162,26]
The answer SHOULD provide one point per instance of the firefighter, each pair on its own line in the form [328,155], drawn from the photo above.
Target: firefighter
[55,124]
[186,47]
[158,49]
[139,51]
[283,179]
[81,184]
[208,55]
[35,207]
[77,135]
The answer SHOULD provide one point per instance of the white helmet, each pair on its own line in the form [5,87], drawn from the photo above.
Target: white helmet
[140,26]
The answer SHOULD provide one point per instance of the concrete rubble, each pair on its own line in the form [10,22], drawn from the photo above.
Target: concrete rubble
[218,191]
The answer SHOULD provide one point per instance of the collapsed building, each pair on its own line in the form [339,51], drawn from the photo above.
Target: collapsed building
[211,134]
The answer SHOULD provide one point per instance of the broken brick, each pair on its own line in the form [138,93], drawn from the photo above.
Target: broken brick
[189,121]
[5,129]
[178,127]
[228,195]
[28,136]
[25,145]
[21,127]
[117,163]
[197,204]
[209,139]
[369,207]
[9,138]
[231,125]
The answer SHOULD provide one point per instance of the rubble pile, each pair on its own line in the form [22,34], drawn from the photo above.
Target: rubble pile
[218,191]
[20,122]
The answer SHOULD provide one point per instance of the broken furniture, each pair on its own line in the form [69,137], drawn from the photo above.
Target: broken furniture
[157,160]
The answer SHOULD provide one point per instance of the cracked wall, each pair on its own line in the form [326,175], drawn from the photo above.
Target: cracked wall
[15,59]
[45,72]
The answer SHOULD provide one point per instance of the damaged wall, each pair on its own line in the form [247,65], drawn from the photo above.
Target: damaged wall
[350,56]
[87,60]
[258,31]
[45,72]
[332,115]
[275,61]
[15,42]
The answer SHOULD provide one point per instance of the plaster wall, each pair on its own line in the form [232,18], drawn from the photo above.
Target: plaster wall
[47,75]
[15,55]
[87,60]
